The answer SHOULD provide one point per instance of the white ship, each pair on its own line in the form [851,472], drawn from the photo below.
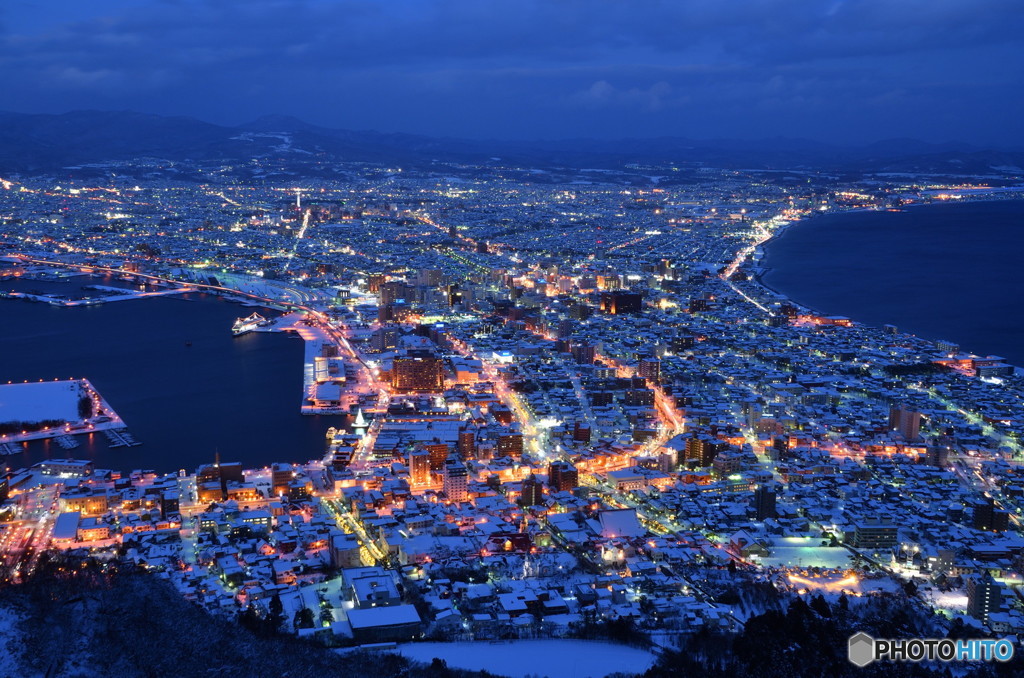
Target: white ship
[244,325]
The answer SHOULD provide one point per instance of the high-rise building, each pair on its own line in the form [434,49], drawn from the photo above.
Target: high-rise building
[581,432]
[281,478]
[987,517]
[751,411]
[876,534]
[510,444]
[501,413]
[639,397]
[438,453]
[621,301]
[467,443]
[764,502]
[649,368]
[429,277]
[703,450]
[983,596]
[419,468]
[456,481]
[906,422]
[563,476]
[532,492]
[583,353]
[454,295]
[417,373]
[391,292]
[385,338]
[699,305]
[938,456]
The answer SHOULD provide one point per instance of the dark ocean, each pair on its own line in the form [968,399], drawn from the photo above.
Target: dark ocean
[940,271]
[238,395]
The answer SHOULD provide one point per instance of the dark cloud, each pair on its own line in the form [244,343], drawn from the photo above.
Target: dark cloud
[846,69]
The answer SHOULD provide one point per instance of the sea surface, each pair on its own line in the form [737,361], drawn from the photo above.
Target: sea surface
[951,271]
[170,367]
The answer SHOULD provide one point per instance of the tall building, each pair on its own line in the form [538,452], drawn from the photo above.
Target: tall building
[281,478]
[875,534]
[699,305]
[703,450]
[456,481]
[454,295]
[764,502]
[987,517]
[438,454]
[938,456]
[621,301]
[649,369]
[510,444]
[532,492]
[424,373]
[581,432]
[467,443]
[983,596]
[419,468]
[583,353]
[751,411]
[391,292]
[429,277]
[906,422]
[385,338]
[563,476]
[640,397]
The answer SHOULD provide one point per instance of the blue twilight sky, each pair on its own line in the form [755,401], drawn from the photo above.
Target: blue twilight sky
[849,71]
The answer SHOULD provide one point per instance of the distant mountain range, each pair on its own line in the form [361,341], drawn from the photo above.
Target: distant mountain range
[36,143]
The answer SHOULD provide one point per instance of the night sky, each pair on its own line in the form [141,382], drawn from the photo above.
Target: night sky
[849,72]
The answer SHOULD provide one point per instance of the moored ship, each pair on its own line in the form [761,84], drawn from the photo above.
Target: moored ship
[246,325]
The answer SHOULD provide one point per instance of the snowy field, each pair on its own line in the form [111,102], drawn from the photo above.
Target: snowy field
[521,658]
[805,552]
[951,601]
[39,401]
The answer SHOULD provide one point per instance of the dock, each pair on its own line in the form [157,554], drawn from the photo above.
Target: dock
[67,442]
[120,438]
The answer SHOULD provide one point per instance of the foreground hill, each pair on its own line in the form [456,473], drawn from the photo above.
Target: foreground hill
[134,625]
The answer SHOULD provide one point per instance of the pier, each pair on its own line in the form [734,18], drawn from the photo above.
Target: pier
[55,401]
[120,438]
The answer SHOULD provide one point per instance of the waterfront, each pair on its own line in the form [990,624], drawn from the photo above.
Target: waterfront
[184,385]
[941,271]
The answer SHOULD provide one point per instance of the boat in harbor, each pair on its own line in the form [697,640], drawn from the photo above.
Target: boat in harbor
[246,325]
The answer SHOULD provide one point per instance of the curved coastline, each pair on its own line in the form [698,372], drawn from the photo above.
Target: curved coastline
[763,269]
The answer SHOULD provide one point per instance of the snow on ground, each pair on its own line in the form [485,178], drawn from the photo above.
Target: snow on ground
[39,401]
[805,552]
[521,658]
[952,601]
[807,556]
